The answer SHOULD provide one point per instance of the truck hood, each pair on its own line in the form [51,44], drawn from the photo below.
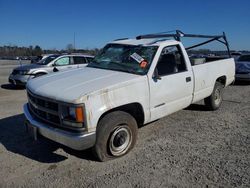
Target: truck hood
[70,86]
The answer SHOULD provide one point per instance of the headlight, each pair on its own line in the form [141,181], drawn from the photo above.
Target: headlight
[23,72]
[76,114]
[72,112]
[73,116]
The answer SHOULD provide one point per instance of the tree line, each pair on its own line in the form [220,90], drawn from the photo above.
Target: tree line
[12,52]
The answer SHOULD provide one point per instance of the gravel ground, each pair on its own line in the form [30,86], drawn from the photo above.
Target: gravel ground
[191,148]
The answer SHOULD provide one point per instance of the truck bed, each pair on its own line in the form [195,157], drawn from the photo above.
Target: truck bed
[205,76]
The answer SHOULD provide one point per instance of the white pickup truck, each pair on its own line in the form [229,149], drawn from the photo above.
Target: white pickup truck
[130,83]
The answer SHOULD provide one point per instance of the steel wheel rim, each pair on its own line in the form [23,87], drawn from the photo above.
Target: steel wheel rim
[120,140]
[217,96]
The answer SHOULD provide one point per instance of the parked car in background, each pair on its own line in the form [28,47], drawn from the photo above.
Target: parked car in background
[236,54]
[243,68]
[49,64]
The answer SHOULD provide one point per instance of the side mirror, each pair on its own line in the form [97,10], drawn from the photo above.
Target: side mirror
[156,75]
[55,69]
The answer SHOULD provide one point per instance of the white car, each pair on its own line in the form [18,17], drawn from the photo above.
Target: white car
[49,64]
[130,83]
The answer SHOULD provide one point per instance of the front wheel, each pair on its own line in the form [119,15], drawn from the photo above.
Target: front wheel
[116,135]
[213,102]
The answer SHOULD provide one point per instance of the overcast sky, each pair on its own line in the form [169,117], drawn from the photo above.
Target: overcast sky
[52,24]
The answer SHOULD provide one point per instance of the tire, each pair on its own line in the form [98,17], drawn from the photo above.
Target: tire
[116,135]
[213,102]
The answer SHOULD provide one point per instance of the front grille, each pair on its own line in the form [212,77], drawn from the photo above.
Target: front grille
[43,103]
[43,109]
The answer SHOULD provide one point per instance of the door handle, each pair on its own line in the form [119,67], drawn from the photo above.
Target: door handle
[188,79]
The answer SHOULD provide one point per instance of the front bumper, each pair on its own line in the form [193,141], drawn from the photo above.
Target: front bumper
[73,140]
[243,77]
[18,79]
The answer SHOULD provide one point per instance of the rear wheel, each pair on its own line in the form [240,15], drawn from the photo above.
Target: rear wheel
[213,102]
[116,135]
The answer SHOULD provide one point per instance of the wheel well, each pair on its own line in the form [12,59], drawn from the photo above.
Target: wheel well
[41,73]
[134,109]
[222,80]
[38,74]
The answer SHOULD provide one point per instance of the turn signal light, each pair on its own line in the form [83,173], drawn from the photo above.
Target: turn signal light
[79,114]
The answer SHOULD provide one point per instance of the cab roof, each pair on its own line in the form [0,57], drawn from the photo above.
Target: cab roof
[145,42]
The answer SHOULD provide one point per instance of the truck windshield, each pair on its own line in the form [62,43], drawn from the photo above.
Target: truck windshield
[126,58]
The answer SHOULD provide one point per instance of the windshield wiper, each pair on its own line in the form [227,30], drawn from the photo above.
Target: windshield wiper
[131,71]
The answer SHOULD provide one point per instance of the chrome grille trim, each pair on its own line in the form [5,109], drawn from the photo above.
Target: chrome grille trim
[41,118]
[44,109]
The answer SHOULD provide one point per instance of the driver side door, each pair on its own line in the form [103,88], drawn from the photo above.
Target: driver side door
[172,89]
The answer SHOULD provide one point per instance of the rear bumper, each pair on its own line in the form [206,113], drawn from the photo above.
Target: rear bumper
[245,77]
[73,140]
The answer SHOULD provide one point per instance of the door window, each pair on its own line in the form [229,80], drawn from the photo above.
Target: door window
[79,60]
[62,61]
[171,61]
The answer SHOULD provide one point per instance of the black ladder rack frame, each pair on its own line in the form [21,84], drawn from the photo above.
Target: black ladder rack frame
[179,34]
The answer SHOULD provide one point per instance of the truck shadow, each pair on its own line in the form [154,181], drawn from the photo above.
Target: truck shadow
[12,87]
[197,107]
[14,138]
